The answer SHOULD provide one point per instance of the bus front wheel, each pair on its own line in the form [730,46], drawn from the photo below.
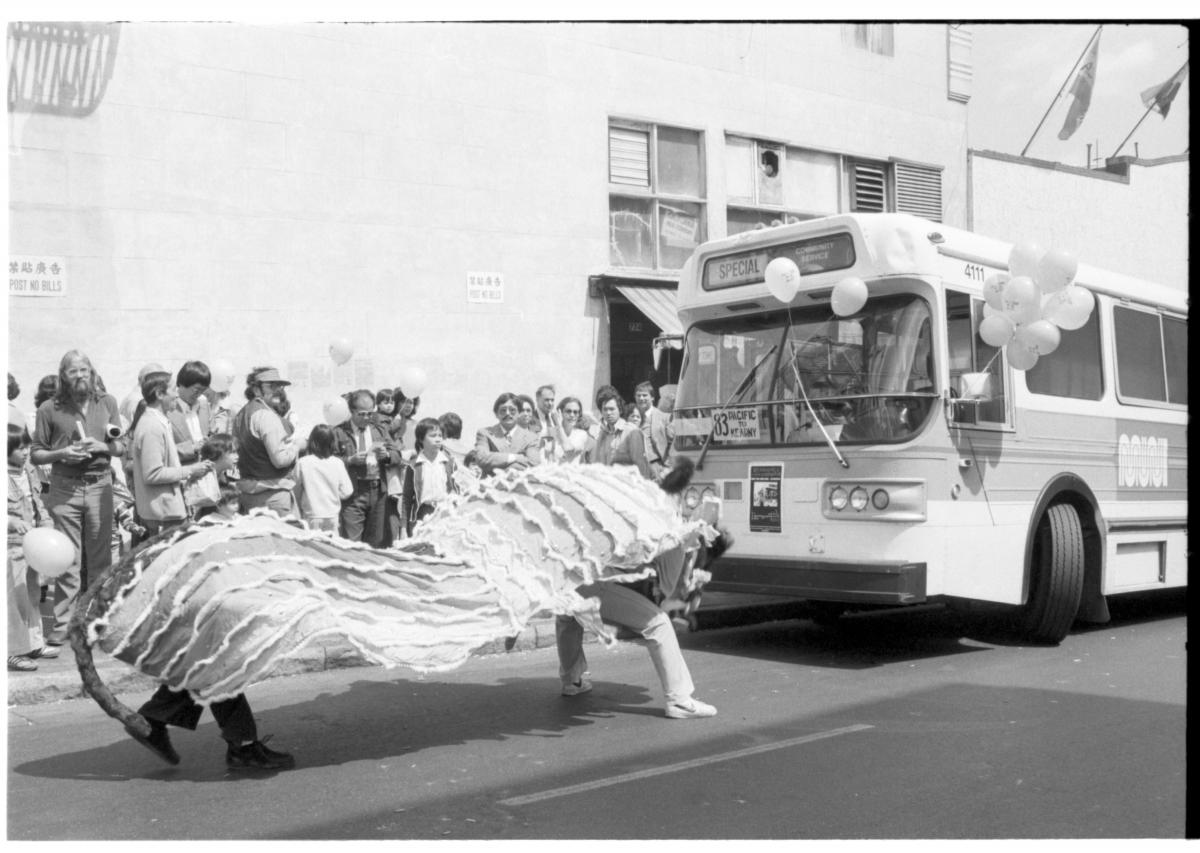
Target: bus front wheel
[1056,576]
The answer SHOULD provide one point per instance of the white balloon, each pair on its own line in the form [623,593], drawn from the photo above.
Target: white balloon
[1022,300]
[48,551]
[997,330]
[993,289]
[1020,357]
[849,296]
[1024,259]
[336,411]
[413,381]
[1041,336]
[223,374]
[1070,307]
[341,350]
[783,279]
[1056,270]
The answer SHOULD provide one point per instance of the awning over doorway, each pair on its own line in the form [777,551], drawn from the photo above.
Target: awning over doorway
[657,303]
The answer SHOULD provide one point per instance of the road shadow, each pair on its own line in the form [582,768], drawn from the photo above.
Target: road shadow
[864,639]
[367,720]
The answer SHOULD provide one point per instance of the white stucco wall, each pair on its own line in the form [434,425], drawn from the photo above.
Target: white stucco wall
[1136,225]
[250,192]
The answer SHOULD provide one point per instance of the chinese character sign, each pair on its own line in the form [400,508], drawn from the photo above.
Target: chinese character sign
[30,275]
[485,287]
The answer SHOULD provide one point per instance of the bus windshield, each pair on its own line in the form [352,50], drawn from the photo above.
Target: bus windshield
[867,377]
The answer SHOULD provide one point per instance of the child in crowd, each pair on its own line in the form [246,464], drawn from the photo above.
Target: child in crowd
[230,503]
[204,494]
[322,481]
[25,511]
[432,473]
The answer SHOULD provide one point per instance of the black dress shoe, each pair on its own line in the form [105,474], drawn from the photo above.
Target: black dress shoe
[257,756]
[158,742]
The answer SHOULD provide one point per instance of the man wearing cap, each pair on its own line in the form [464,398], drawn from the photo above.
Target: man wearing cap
[266,454]
[77,434]
[130,401]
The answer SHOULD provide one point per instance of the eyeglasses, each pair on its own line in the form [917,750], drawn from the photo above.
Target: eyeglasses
[509,409]
[575,412]
[363,414]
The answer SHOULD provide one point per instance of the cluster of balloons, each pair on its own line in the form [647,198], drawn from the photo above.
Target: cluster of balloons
[782,277]
[1027,307]
[48,551]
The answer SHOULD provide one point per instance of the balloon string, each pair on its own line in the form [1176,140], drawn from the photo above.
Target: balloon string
[988,367]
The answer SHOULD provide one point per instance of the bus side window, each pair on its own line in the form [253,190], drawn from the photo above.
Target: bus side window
[968,353]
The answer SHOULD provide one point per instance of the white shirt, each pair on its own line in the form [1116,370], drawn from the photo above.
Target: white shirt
[431,474]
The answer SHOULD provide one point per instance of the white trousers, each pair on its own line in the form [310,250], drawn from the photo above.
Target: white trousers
[623,607]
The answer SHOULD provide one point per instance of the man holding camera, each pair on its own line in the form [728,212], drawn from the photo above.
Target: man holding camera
[76,433]
[367,450]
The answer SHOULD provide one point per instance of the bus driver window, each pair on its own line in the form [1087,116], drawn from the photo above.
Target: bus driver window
[969,354]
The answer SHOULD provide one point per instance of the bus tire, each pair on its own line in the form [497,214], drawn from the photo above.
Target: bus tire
[1056,567]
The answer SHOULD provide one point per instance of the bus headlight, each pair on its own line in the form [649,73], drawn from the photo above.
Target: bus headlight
[883,499]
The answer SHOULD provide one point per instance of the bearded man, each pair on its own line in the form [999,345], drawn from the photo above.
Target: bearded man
[76,433]
[266,453]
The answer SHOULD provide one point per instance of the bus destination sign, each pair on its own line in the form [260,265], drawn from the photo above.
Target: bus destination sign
[815,255]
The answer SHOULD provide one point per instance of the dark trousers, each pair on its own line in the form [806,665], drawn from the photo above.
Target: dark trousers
[178,708]
[363,516]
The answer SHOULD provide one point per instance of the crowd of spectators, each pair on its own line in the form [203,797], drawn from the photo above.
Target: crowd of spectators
[109,474]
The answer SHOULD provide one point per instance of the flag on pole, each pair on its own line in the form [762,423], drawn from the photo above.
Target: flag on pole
[1159,97]
[1081,91]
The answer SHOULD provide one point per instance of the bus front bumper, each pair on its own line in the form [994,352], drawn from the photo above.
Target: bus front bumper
[821,580]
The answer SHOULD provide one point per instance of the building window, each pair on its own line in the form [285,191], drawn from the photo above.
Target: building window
[656,195]
[877,38]
[770,183]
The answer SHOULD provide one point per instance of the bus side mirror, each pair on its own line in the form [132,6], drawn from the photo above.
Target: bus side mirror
[964,400]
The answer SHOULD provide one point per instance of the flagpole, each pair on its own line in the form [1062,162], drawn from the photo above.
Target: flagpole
[1149,110]
[1086,47]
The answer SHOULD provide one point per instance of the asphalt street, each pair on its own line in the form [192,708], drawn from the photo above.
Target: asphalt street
[888,726]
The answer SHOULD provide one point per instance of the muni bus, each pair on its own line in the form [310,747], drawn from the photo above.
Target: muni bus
[891,457]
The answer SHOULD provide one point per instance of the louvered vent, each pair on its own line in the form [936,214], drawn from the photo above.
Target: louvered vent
[869,192]
[919,191]
[628,157]
[959,68]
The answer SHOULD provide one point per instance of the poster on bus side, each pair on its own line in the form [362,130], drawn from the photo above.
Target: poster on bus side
[766,483]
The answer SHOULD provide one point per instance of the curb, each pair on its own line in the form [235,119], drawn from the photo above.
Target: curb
[58,680]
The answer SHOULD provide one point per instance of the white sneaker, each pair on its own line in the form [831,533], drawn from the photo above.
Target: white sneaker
[579,687]
[692,708]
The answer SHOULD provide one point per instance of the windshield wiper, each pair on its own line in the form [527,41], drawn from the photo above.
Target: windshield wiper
[733,398]
[808,403]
